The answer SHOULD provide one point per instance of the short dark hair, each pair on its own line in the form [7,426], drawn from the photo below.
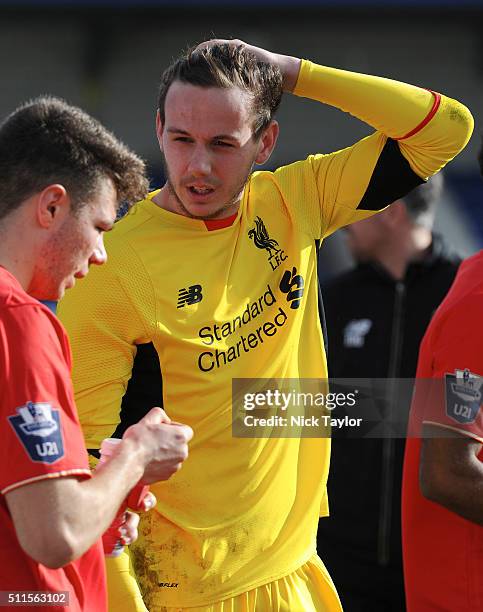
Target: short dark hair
[421,202]
[48,141]
[225,66]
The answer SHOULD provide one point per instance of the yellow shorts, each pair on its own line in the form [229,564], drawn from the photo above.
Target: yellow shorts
[123,593]
[308,589]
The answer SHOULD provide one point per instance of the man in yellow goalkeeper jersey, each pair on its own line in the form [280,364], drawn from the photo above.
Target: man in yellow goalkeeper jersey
[216,275]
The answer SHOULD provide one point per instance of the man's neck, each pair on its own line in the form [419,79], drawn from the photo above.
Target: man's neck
[17,266]
[19,261]
[166,199]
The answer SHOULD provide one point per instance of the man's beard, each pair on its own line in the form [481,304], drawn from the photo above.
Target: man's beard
[217,214]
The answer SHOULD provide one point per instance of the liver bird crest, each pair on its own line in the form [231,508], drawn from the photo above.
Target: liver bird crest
[260,237]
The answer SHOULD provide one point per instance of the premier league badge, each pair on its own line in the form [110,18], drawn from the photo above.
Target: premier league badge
[37,426]
[463,396]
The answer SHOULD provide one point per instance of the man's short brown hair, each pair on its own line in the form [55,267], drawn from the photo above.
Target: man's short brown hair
[47,141]
[225,66]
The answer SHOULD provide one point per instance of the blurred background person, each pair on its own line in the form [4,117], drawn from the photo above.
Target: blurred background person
[377,314]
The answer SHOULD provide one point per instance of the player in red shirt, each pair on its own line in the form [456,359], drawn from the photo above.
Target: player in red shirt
[442,502]
[61,180]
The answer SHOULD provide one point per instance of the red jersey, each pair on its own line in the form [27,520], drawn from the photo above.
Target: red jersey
[41,438]
[443,552]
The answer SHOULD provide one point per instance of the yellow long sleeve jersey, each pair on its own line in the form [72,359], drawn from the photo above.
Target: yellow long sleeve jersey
[242,512]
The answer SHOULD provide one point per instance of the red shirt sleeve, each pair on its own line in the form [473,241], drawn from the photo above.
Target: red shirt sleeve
[39,428]
[454,393]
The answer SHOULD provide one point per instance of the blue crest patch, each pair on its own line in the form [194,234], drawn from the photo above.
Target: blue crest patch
[37,426]
[463,396]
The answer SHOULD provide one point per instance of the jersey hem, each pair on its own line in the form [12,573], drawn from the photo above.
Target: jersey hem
[61,474]
[244,589]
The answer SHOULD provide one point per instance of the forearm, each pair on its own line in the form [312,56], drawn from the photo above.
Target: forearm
[392,107]
[99,498]
[453,477]
[463,494]
[78,512]
[430,130]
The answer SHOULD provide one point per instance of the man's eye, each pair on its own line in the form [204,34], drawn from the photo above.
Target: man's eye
[182,139]
[222,143]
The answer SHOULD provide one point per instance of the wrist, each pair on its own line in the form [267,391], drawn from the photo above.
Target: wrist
[290,68]
[132,454]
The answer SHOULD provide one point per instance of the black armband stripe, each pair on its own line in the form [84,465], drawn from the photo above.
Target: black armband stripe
[144,389]
[391,179]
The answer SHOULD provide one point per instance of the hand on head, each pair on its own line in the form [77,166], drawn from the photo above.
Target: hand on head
[261,54]
[288,66]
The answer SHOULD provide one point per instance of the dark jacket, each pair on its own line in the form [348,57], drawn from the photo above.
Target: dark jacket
[375,325]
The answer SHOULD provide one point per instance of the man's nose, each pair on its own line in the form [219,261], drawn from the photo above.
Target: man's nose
[99,254]
[200,162]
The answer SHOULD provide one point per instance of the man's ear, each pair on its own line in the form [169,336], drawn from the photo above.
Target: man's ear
[159,129]
[53,203]
[267,143]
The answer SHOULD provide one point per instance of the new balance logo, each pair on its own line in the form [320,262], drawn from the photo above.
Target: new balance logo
[189,296]
[355,332]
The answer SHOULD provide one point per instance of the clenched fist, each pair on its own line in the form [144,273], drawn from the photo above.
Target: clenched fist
[162,444]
